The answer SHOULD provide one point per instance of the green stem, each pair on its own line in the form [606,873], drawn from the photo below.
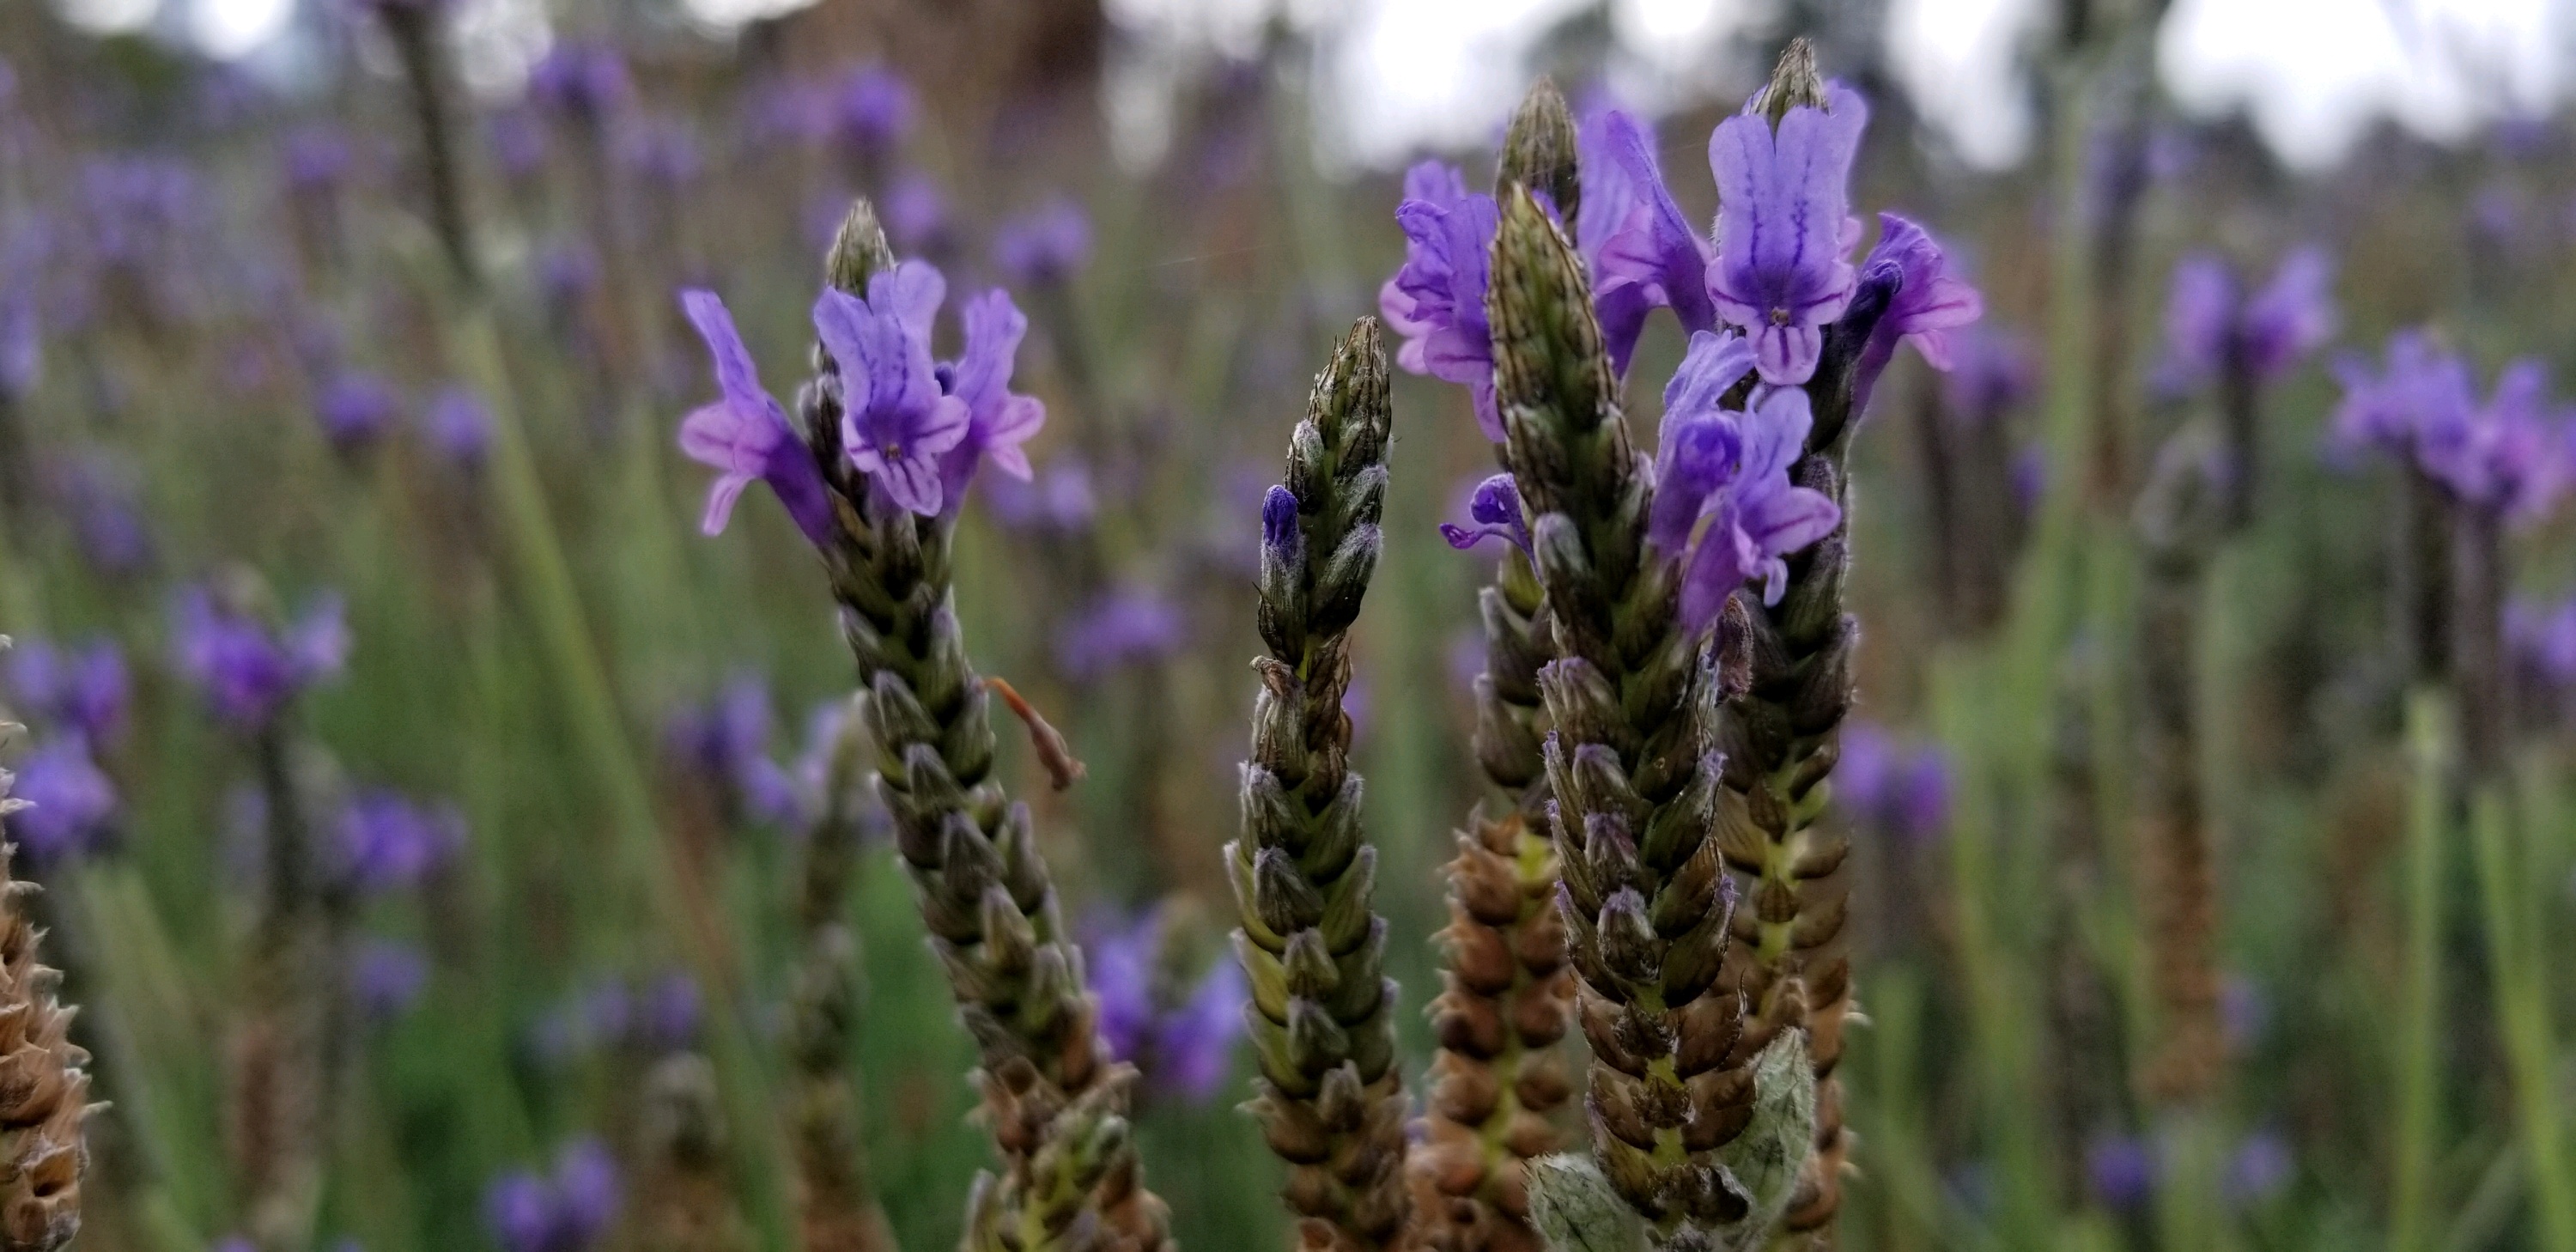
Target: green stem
[2522,1005]
[2417,1129]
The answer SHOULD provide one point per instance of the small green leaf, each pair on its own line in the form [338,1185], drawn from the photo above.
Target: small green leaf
[1576,1210]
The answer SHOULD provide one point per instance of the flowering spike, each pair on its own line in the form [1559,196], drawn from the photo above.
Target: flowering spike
[1331,1100]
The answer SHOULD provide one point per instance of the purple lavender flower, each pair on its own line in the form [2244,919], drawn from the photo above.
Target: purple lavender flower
[81,691]
[518,144]
[1494,509]
[2421,387]
[2209,327]
[356,410]
[668,1017]
[71,804]
[1723,503]
[727,744]
[745,433]
[588,1192]
[916,214]
[388,843]
[2259,1168]
[1435,302]
[1128,626]
[874,110]
[1863,769]
[1046,246]
[2508,457]
[100,497]
[519,1210]
[458,426]
[1195,1041]
[316,160]
[1121,961]
[1922,799]
[566,275]
[1784,226]
[2122,1170]
[2546,639]
[22,347]
[386,978]
[998,420]
[896,422]
[584,83]
[1642,252]
[663,153]
[246,671]
[1185,1047]
[1929,304]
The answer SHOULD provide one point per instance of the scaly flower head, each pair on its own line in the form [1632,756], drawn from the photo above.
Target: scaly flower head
[745,434]
[1784,225]
[1723,503]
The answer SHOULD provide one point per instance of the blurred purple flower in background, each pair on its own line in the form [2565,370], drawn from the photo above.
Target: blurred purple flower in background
[1045,246]
[1183,1040]
[458,426]
[316,160]
[99,496]
[1991,373]
[71,804]
[1056,500]
[663,153]
[386,978]
[389,843]
[2211,327]
[1128,626]
[584,83]
[916,214]
[518,143]
[1883,785]
[1784,227]
[244,669]
[2122,1171]
[874,111]
[2507,457]
[83,691]
[356,410]
[2259,1169]
[1723,504]
[726,743]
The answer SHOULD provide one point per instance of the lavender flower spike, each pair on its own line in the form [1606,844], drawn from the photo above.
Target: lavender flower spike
[895,421]
[1784,226]
[745,433]
[1723,503]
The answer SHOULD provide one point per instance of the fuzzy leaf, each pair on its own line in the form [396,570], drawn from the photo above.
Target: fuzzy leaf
[1762,1164]
[1576,1209]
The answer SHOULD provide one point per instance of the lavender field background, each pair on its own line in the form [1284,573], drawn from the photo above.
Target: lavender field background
[425,806]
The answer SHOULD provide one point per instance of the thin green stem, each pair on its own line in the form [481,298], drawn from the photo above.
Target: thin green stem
[2417,1123]
[2522,1007]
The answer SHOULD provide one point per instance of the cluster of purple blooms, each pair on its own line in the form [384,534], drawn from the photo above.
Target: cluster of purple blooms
[570,1210]
[652,1016]
[76,699]
[2505,457]
[1182,1037]
[918,428]
[357,410]
[245,669]
[1133,625]
[384,842]
[1756,301]
[725,742]
[2213,326]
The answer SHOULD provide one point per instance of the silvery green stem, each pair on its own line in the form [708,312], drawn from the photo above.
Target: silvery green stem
[1630,695]
[1331,1100]
[1055,1101]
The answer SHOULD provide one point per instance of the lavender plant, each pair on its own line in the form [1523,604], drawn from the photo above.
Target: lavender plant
[45,1102]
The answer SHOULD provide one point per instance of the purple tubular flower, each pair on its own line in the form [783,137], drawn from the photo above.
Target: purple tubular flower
[1922,801]
[2292,316]
[1044,247]
[84,691]
[386,978]
[1436,300]
[2507,458]
[1784,227]
[356,410]
[895,421]
[457,424]
[1930,302]
[316,160]
[587,1192]
[998,420]
[2210,325]
[1495,510]
[745,434]
[1863,772]
[1058,499]
[1642,252]
[1280,536]
[244,671]
[1121,961]
[71,804]
[670,1013]
[519,1210]
[2200,316]
[1723,503]
[916,213]
[2422,387]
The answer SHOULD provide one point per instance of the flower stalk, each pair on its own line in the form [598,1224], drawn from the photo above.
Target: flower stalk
[1330,1099]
